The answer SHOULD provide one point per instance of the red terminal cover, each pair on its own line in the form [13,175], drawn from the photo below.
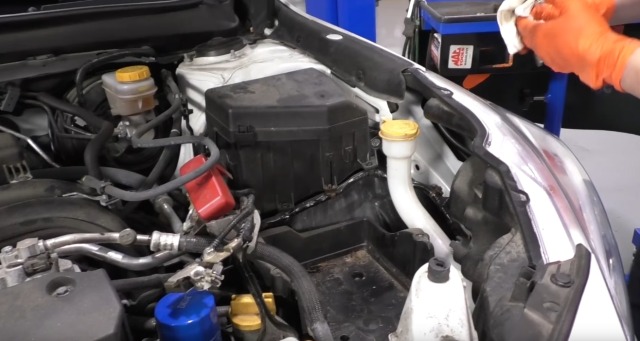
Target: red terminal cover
[209,193]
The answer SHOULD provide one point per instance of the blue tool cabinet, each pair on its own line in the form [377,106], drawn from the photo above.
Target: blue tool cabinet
[356,16]
[465,39]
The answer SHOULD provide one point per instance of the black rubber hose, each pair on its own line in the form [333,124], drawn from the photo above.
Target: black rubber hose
[137,142]
[94,148]
[173,96]
[137,283]
[197,244]
[176,106]
[168,154]
[194,244]
[171,185]
[82,72]
[247,206]
[272,328]
[97,143]
[74,173]
[306,293]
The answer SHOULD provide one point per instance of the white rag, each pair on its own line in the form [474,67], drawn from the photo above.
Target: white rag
[507,14]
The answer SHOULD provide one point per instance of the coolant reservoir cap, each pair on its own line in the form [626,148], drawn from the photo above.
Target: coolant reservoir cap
[399,130]
[133,73]
[219,47]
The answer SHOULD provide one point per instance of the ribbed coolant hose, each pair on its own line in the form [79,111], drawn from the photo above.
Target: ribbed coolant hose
[306,293]
[194,244]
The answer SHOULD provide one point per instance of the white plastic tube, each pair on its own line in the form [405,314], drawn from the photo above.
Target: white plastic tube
[399,146]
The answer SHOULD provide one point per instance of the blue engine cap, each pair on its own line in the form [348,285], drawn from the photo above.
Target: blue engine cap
[188,316]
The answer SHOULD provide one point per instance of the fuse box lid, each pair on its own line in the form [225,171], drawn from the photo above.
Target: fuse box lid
[299,105]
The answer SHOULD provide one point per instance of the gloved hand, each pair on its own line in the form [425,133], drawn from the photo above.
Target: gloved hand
[604,7]
[571,36]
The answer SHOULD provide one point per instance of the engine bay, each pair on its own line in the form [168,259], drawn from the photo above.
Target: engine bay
[243,188]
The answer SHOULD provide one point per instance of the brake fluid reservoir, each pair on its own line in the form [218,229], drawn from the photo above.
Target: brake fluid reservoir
[130,90]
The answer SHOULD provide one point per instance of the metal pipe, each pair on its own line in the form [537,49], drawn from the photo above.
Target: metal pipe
[124,237]
[116,258]
[164,205]
[32,144]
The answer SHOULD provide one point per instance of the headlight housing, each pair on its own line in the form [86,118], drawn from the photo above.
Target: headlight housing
[564,206]
[579,209]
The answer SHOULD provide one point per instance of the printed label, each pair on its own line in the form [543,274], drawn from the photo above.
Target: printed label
[460,56]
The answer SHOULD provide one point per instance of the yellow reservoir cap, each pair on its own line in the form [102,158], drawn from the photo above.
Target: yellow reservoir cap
[133,73]
[245,314]
[399,130]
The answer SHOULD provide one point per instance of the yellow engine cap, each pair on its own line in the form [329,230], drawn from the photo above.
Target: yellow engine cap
[245,314]
[133,73]
[399,130]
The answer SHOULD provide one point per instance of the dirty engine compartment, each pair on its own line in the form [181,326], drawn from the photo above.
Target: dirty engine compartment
[233,170]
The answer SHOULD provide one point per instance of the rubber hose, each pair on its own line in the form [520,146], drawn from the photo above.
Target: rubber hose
[97,143]
[173,96]
[194,244]
[117,175]
[246,210]
[137,283]
[94,148]
[197,244]
[173,184]
[306,293]
[176,105]
[165,159]
[169,154]
[36,189]
[136,142]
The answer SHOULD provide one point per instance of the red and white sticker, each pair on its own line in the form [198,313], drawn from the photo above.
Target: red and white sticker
[460,56]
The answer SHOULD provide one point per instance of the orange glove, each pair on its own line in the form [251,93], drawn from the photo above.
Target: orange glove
[570,36]
[604,7]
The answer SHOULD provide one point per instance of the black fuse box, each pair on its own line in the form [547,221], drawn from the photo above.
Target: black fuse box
[288,136]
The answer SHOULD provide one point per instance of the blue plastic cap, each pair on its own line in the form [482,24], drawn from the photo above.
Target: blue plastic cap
[188,316]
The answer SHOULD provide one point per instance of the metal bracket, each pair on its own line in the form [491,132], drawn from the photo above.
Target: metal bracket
[103,199]
[201,277]
[17,172]
[212,256]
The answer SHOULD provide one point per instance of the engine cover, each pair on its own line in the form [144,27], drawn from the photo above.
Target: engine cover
[62,306]
[288,136]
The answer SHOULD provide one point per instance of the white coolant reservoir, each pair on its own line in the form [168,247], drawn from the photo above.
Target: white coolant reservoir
[130,90]
[229,61]
[436,307]
[399,144]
